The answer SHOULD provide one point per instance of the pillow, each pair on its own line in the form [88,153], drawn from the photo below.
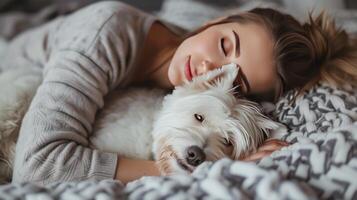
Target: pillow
[190,14]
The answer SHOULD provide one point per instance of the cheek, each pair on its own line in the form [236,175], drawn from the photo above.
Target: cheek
[173,75]
[174,71]
[201,47]
[260,73]
[205,47]
[189,47]
[261,80]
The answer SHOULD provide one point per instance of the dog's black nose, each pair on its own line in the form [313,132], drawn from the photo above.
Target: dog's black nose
[195,155]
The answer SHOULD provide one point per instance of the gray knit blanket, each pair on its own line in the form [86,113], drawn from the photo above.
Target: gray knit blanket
[321,163]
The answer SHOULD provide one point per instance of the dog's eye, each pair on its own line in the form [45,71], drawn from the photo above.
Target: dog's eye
[199,117]
[227,142]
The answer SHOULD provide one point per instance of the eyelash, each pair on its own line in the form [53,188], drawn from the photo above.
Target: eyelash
[222,46]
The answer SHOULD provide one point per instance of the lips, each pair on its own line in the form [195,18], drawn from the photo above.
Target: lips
[188,72]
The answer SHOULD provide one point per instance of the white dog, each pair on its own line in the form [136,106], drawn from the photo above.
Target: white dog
[201,120]
[17,88]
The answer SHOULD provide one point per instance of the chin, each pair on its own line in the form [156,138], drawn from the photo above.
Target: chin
[197,122]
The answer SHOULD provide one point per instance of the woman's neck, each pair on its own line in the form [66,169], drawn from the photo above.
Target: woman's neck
[159,47]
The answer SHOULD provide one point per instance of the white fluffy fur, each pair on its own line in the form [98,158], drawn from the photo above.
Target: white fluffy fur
[146,124]
[135,125]
[17,89]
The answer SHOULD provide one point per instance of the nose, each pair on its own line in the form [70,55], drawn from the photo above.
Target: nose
[205,67]
[195,155]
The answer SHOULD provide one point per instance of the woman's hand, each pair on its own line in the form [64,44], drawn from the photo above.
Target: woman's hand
[132,169]
[266,149]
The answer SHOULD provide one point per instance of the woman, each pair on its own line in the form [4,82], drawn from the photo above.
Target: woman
[107,45]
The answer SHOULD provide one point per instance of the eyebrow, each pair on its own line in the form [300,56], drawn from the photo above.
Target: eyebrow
[237,43]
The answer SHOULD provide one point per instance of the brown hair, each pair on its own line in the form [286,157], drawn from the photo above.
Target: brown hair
[304,53]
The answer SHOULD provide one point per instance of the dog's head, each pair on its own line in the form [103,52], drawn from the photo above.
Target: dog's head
[203,120]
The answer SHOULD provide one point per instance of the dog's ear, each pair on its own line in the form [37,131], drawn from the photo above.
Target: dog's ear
[253,126]
[223,78]
[262,122]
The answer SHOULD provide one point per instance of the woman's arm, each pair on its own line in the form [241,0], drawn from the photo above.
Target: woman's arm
[131,169]
[89,54]
[53,144]
[267,148]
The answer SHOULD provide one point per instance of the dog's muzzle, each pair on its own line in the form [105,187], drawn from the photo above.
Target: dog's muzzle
[195,156]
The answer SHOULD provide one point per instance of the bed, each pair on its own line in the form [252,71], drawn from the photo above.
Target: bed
[321,163]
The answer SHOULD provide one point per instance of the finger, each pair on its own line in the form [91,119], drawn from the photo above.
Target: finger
[257,156]
[272,141]
[271,147]
[273,144]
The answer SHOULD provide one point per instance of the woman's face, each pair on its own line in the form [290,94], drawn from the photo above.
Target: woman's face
[248,45]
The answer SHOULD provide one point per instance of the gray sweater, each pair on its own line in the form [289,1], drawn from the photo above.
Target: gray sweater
[83,56]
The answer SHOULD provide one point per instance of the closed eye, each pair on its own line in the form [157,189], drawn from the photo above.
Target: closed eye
[222,47]
[237,44]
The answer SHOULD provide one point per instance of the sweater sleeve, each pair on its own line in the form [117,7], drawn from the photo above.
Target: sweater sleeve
[87,60]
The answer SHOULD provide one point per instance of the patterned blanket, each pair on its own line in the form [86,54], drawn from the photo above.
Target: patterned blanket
[321,163]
